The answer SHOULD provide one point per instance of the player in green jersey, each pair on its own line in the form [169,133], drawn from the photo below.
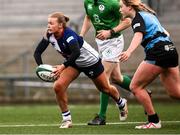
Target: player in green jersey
[108,24]
[106,19]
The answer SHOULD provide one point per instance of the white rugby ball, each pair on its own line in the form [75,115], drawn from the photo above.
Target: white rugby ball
[44,72]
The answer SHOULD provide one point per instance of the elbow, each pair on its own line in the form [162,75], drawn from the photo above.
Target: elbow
[35,54]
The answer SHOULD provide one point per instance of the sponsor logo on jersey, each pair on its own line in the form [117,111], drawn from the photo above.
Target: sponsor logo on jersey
[136,25]
[101,7]
[90,6]
[70,38]
[169,47]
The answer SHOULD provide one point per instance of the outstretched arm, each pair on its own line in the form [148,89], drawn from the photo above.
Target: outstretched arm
[136,41]
[104,34]
[43,44]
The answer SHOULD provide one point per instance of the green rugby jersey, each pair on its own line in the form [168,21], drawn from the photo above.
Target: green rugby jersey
[104,15]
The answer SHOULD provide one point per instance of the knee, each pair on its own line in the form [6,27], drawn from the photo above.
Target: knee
[107,89]
[58,87]
[175,95]
[116,79]
[134,88]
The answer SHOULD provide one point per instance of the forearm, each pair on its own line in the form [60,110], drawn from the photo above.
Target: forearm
[125,23]
[86,26]
[136,41]
[43,44]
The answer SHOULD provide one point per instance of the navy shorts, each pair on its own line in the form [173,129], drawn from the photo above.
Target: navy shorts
[163,55]
[92,71]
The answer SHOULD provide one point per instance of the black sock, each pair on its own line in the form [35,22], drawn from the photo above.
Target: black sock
[153,118]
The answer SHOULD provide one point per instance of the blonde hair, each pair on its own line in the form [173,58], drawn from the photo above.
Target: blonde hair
[60,17]
[137,5]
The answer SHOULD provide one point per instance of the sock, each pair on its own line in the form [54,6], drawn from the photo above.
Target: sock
[104,98]
[153,118]
[66,116]
[121,102]
[126,82]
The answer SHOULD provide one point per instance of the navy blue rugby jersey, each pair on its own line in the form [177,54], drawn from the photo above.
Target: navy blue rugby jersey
[62,44]
[71,46]
[149,25]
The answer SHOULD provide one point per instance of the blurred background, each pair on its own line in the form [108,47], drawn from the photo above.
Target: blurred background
[22,24]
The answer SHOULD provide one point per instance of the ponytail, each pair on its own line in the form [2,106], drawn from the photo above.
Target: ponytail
[138,6]
[144,7]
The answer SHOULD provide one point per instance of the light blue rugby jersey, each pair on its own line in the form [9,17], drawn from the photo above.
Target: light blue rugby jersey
[149,25]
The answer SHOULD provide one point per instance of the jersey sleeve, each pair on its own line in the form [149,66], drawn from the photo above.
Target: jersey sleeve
[72,42]
[41,47]
[138,24]
[71,39]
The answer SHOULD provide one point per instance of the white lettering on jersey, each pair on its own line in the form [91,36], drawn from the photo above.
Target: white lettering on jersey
[136,25]
[70,38]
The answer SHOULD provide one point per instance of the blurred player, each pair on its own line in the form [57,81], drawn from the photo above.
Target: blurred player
[161,57]
[106,19]
[108,24]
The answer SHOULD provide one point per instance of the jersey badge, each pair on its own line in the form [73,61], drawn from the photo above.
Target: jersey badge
[101,7]
[136,25]
[70,38]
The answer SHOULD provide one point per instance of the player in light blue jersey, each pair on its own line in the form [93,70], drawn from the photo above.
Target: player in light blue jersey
[161,57]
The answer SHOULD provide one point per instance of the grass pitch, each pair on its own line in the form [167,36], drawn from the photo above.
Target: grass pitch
[45,119]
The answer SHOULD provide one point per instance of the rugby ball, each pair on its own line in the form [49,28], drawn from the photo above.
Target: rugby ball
[45,73]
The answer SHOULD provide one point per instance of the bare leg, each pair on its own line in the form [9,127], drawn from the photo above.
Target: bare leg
[170,78]
[103,85]
[144,75]
[60,86]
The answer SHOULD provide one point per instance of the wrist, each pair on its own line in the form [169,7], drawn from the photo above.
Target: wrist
[112,32]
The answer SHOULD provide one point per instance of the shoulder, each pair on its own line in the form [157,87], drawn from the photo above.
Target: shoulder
[146,15]
[138,24]
[114,5]
[68,31]
[69,35]
[138,18]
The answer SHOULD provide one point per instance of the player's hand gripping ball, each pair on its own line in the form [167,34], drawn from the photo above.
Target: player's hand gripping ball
[45,73]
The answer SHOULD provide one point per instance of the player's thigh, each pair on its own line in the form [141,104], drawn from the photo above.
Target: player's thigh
[101,82]
[67,76]
[116,73]
[171,80]
[108,67]
[144,75]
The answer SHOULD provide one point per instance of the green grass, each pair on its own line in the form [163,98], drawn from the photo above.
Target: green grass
[44,119]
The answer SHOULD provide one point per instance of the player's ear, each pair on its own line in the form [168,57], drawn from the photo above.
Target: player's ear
[60,25]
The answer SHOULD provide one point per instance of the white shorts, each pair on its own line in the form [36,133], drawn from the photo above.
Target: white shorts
[110,49]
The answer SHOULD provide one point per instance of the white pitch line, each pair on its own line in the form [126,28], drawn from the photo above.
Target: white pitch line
[78,124]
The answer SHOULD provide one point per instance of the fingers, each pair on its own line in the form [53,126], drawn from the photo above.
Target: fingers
[103,34]
[123,57]
[100,36]
[57,70]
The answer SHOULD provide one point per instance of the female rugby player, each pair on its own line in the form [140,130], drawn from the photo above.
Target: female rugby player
[80,57]
[161,57]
